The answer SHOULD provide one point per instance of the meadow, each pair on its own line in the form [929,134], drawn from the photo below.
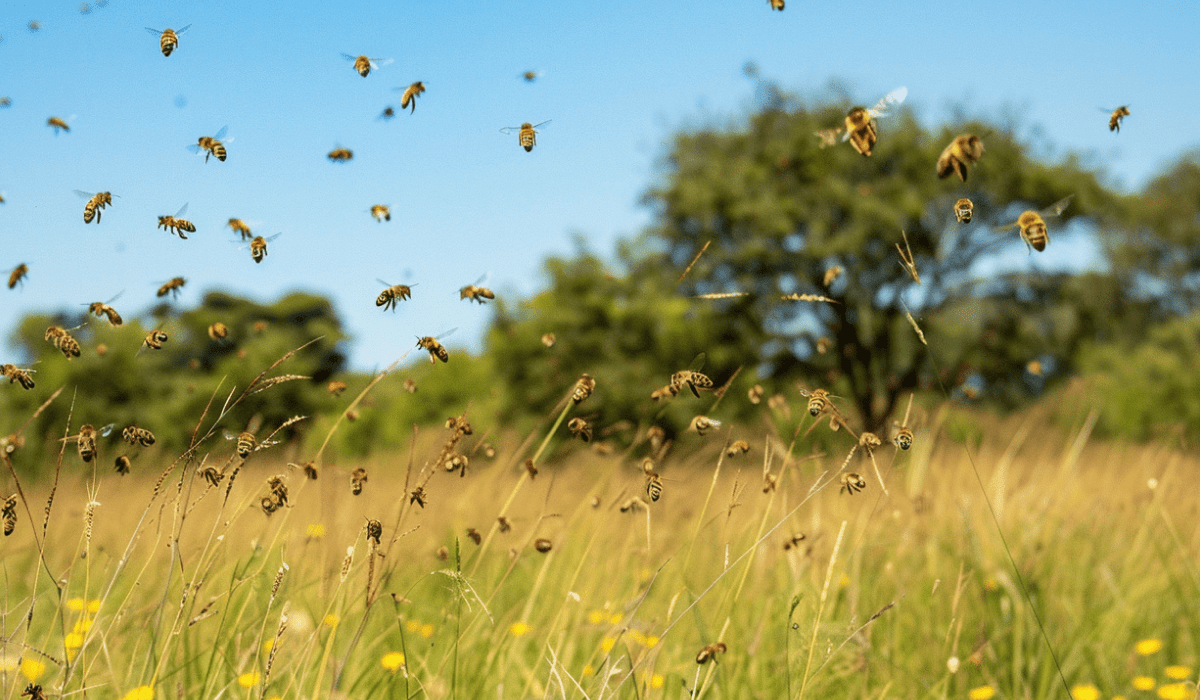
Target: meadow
[161,584]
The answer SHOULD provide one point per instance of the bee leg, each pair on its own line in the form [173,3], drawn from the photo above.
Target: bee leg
[693,388]
[960,169]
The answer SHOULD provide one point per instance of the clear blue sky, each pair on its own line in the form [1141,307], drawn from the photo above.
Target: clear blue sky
[620,77]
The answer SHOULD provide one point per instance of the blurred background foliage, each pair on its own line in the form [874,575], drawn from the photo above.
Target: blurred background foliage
[777,212]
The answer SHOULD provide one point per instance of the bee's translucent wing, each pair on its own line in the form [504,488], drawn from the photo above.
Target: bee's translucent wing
[377,63]
[698,362]
[221,134]
[389,286]
[85,195]
[182,211]
[543,123]
[348,57]
[107,430]
[184,29]
[271,238]
[507,129]
[829,136]
[194,148]
[1058,207]
[894,97]
[155,32]
[482,278]
[447,333]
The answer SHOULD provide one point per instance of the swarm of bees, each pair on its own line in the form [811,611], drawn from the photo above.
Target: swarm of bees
[175,224]
[168,38]
[963,151]
[410,96]
[859,129]
[1033,224]
[96,202]
[212,146]
[526,134]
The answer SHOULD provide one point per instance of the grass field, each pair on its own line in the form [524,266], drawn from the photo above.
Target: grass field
[159,585]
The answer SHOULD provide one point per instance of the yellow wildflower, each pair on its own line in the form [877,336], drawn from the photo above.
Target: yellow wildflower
[615,619]
[651,642]
[427,631]
[392,661]
[75,604]
[1173,691]
[74,640]
[93,606]
[656,681]
[413,626]
[32,668]
[1143,683]
[983,692]
[1146,647]
[588,670]
[314,531]
[1085,692]
[267,646]
[637,637]
[595,617]
[519,628]
[1177,673]
[142,692]
[249,680]
[83,625]
[331,620]
[607,644]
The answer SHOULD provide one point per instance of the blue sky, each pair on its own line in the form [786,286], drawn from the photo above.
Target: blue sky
[620,77]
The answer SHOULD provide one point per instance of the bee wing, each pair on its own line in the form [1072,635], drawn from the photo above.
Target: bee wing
[894,97]
[106,430]
[85,195]
[348,57]
[377,63]
[1006,227]
[505,130]
[118,296]
[543,123]
[156,32]
[184,29]
[182,211]
[221,134]
[1058,207]
[194,148]
[447,333]
[482,278]
[230,435]
[389,286]
[697,363]
[271,238]
[829,136]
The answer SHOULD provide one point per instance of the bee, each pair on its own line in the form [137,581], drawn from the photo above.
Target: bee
[340,155]
[654,486]
[96,202]
[218,331]
[503,524]
[5,102]
[709,653]
[852,483]
[1118,114]
[549,340]
[172,287]
[1033,224]
[474,292]
[904,436]
[387,113]
[9,515]
[101,309]
[859,129]
[526,134]
[474,535]
[137,436]
[212,475]
[381,213]
[736,448]
[123,464]
[436,350]
[964,209]
[583,388]
[531,75]
[393,295]
[818,401]
[18,274]
[336,388]
[176,225]
[211,145]
[154,340]
[374,531]
[410,95]
[691,378]
[417,496]
[364,65]
[543,545]
[58,124]
[35,26]
[258,246]
[239,227]
[86,440]
[269,505]
[702,424]
[358,477]
[794,541]
[776,4]
[18,376]
[61,339]
[580,428]
[169,38]
[963,151]
[531,468]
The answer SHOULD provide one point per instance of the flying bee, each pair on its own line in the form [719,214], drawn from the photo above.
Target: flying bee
[357,478]
[776,4]
[59,125]
[5,101]
[176,225]
[410,95]
[654,486]
[526,134]
[736,448]
[1118,114]
[531,75]
[583,388]
[336,388]
[246,443]
[580,428]
[137,436]
[963,151]
[218,331]
[18,274]
[904,436]
[154,340]
[168,38]
[381,213]
[543,545]
[17,375]
[417,496]
[61,339]
[1033,224]
[818,401]
[364,65]
[964,209]
[474,292]
[239,227]
[96,202]
[503,524]
[852,483]
[340,155]
[709,653]
[458,463]
[702,424]
[410,386]
[474,535]
[211,145]
[86,440]
[258,246]
[172,287]
[9,515]
[859,129]
[692,378]
[101,309]
[387,113]
[436,350]
[123,465]
[393,295]
[794,541]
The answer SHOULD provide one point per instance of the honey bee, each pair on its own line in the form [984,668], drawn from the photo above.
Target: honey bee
[503,524]
[474,535]
[336,388]
[61,339]
[5,102]
[239,227]
[212,475]
[137,436]
[18,274]
[211,145]
[9,515]
[123,464]
[964,209]
[736,448]
[964,150]
[703,424]
[218,331]
[258,246]
[1033,224]
[59,125]
[101,309]
[543,545]
[654,486]
[531,75]
[176,225]
[417,496]
[794,541]
[526,134]
[154,340]
[381,213]
[387,113]
[169,38]
[340,155]
[549,340]
[96,202]
[364,65]
[859,129]
[357,478]
[852,483]
[583,388]
[709,653]
[1118,114]
[410,95]
[17,375]
[580,428]
[776,4]
[172,287]
[476,293]
[755,394]
[35,26]
[904,438]
[436,350]
[86,440]
[818,401]
[374,531]
[393,295]
[691,378]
